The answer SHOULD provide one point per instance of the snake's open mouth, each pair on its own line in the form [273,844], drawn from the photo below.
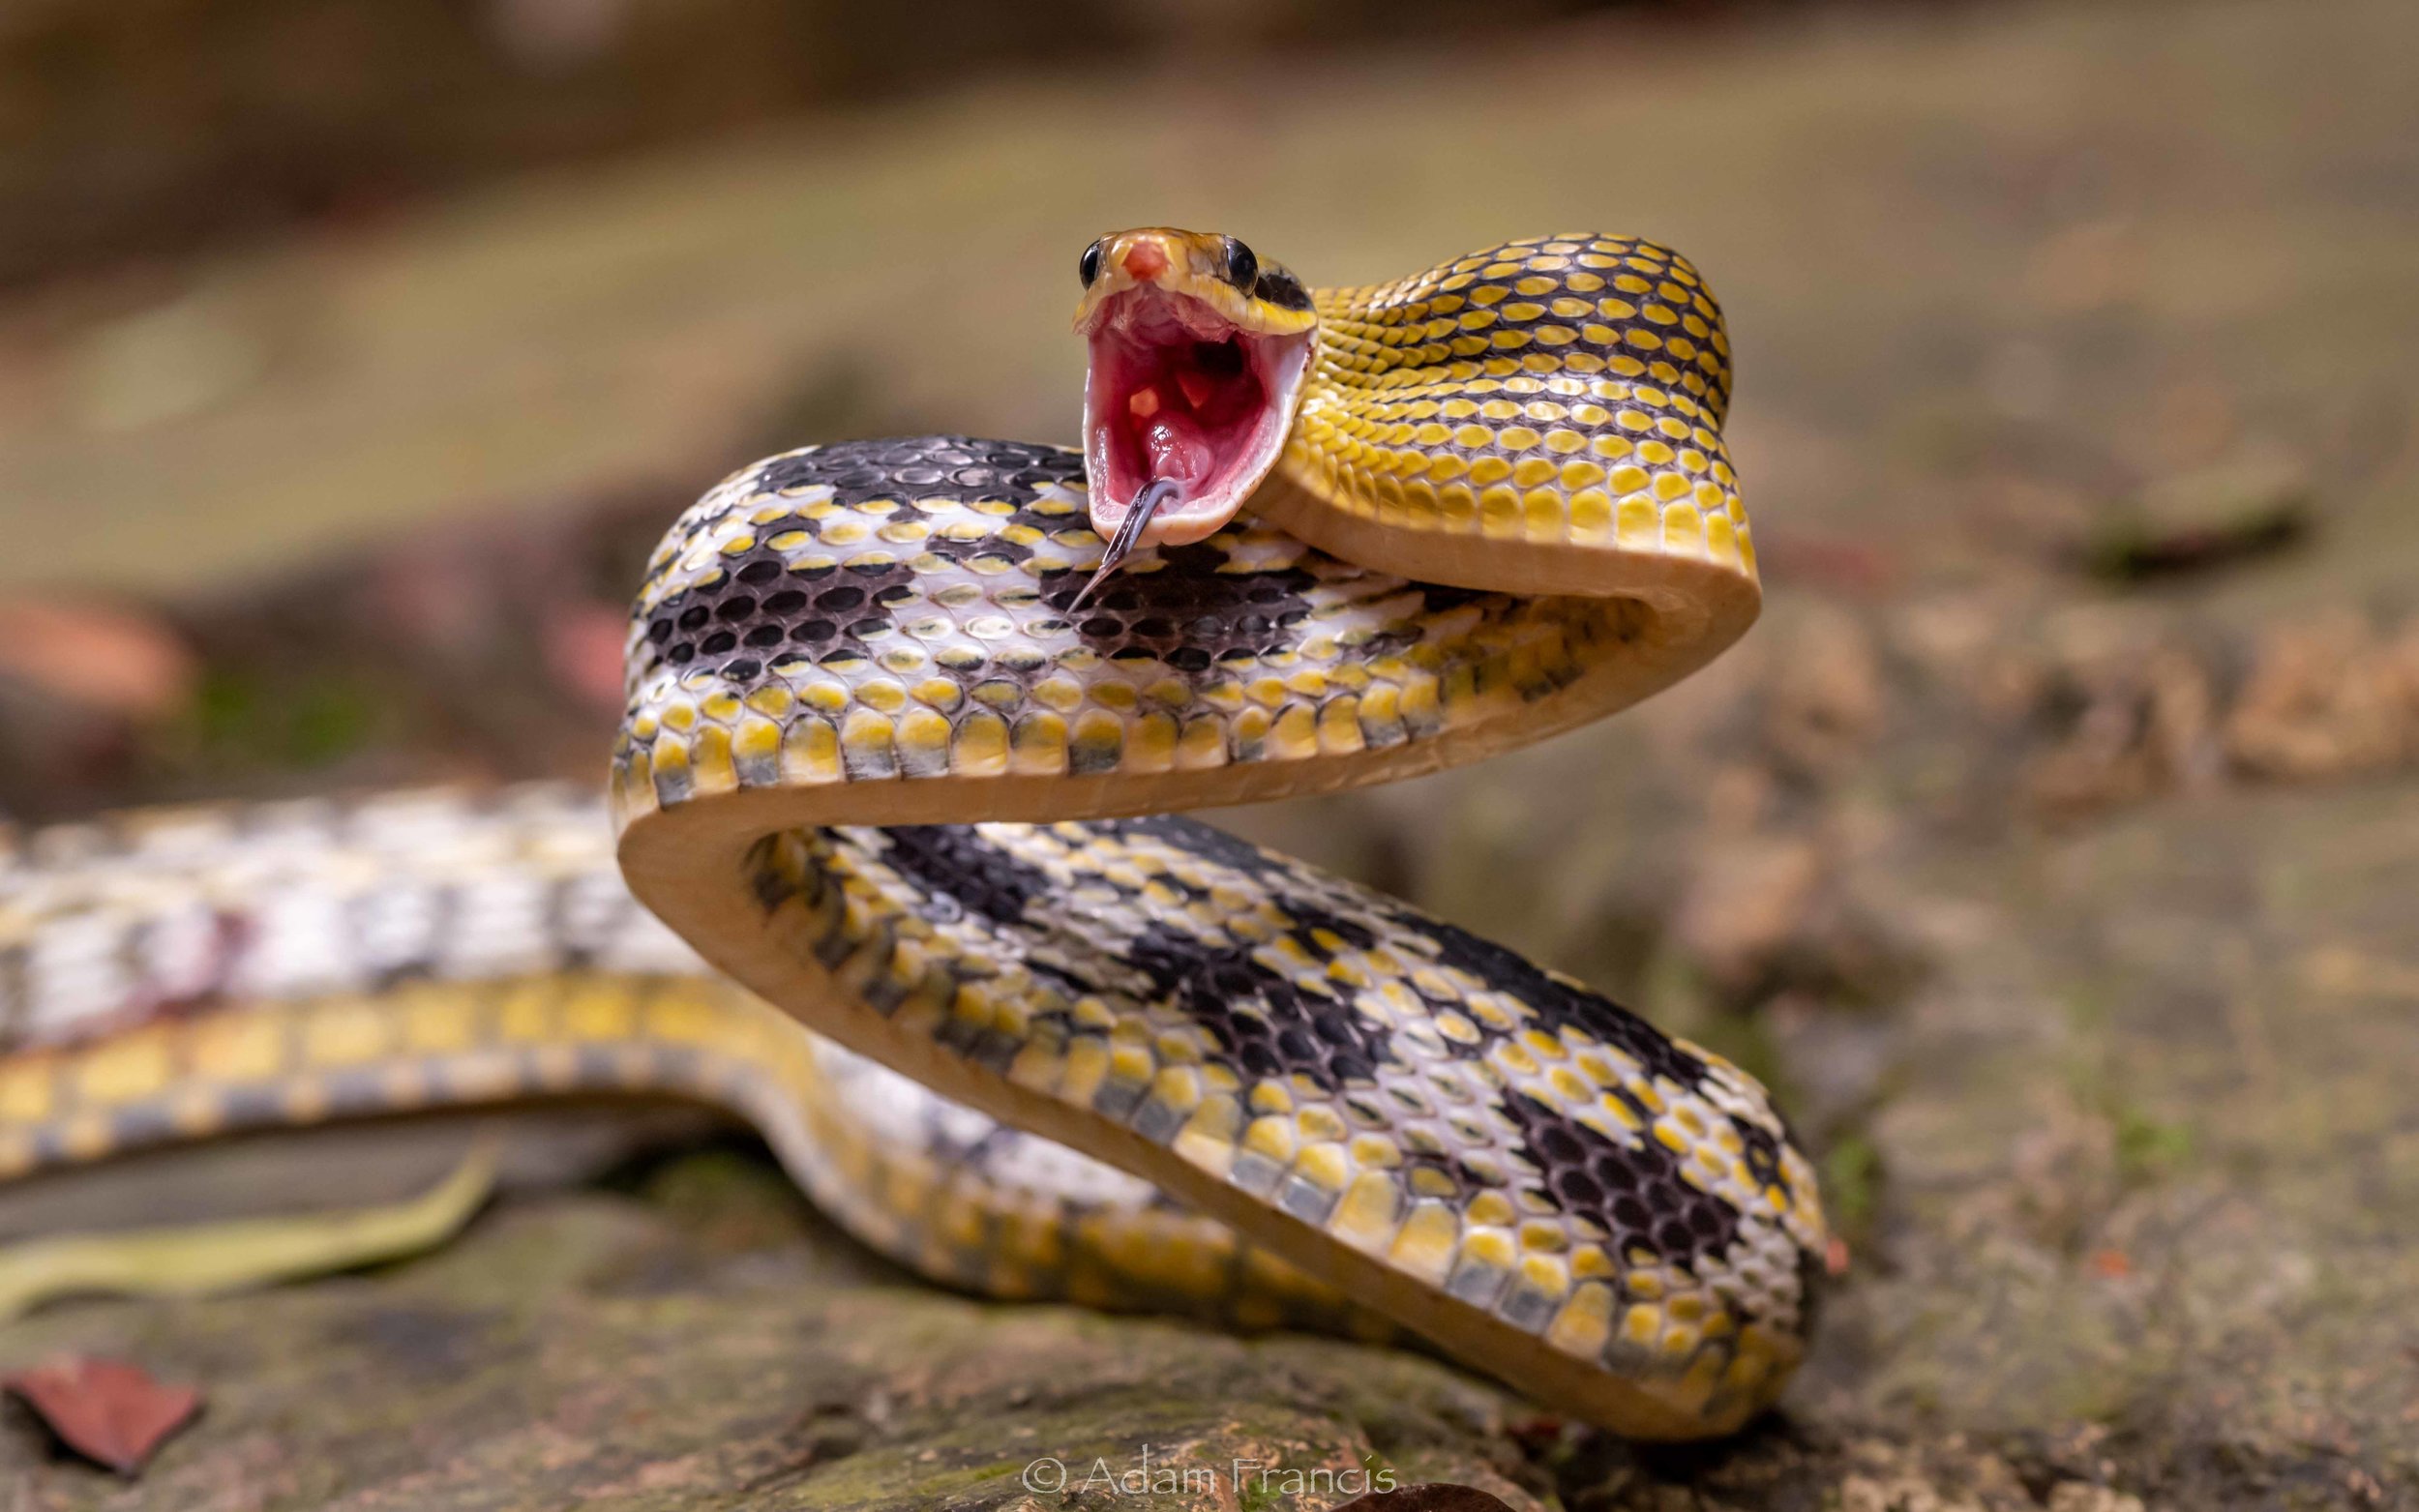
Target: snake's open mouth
[1179,392]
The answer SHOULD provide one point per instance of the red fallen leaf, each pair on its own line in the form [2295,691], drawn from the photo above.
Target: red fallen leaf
[108,1411]
[2112,1264]
[583,648]
[109,660]
[1540,1429]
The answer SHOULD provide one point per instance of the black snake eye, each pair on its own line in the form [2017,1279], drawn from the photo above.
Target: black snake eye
[1243,269]
[1089,268]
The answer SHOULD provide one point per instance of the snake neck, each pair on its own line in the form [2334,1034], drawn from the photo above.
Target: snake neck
[1541,417]
[1603,315]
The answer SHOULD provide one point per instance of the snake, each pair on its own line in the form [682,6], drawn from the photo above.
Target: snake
[892,859]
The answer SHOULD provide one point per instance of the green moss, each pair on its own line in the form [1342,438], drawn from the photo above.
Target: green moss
[2148,1147]
[1851,1183]
[243,718]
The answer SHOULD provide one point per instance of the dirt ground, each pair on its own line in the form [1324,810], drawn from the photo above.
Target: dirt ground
[2049,846]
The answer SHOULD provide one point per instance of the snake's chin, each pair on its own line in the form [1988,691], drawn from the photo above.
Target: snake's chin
[1176,390]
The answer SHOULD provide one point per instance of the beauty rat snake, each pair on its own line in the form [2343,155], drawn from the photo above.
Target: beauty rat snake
[897,755]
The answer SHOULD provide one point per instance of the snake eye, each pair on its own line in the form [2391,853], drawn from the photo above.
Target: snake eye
[1089,268]
[1243,269]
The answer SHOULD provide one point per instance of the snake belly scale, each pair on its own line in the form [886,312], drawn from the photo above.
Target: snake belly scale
[880,769]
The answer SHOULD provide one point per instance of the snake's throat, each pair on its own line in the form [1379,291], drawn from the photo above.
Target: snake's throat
[1176,392]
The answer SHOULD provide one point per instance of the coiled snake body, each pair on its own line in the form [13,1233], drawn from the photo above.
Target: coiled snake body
[1295,1101]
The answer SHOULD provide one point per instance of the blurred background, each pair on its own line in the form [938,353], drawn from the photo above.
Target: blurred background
[2049,844]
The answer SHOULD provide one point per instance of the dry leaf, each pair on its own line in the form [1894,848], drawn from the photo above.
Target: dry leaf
[112,660]
[1432,1497]
[108,1411]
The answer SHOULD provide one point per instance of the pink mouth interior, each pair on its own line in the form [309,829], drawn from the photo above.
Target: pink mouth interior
[1177,390]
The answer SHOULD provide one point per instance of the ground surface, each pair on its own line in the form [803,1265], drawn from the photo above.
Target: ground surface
[2068,907]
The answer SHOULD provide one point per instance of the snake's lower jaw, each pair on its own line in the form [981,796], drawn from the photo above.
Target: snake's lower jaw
[1176,392]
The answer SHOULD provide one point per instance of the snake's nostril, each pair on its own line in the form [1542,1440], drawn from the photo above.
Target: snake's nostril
[1144,259]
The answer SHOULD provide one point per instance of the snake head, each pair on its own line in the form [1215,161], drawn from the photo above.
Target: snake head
[1197,354]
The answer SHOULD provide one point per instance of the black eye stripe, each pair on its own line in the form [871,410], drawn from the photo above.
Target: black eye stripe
[1282,289]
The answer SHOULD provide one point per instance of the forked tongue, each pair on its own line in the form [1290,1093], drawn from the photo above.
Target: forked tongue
[1155,495]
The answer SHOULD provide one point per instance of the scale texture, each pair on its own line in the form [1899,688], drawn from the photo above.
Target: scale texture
[173,975]
[1567,390]
[878,769]
[883,631]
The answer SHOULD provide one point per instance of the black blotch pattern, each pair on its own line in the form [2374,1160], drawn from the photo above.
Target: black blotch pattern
[1636,1195]
[1260,1017]
[1556,1004]
[953,861]
[760,604]
[1188,614]
[924,467]
[1208,842]
[1308,919]
[816,616]
[770,887]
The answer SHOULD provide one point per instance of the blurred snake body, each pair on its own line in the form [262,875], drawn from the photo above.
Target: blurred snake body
[881,772]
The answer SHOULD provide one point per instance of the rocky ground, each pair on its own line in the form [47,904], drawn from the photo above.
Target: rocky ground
[2050,846]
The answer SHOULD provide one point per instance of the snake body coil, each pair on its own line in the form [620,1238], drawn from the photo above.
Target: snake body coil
[882,633]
